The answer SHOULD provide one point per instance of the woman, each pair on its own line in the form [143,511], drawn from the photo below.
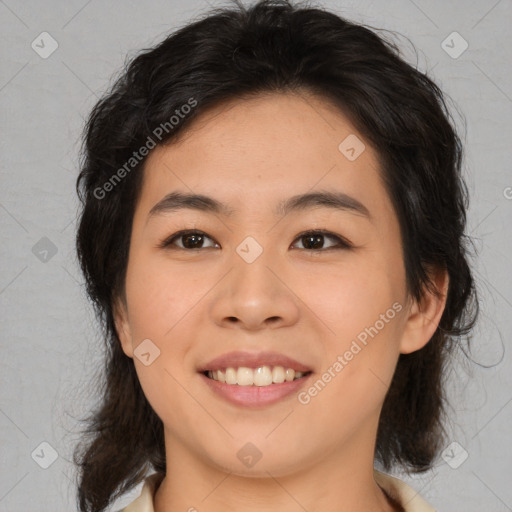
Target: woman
[272,233]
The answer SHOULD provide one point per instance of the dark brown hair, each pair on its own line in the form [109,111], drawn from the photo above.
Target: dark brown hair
[233,53]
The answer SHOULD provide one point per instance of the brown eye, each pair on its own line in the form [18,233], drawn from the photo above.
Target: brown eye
[314,241]
[189,240]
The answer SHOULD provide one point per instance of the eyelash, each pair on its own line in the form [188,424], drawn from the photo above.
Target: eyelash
[342,242]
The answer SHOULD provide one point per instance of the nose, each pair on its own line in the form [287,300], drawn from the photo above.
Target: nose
[256,295]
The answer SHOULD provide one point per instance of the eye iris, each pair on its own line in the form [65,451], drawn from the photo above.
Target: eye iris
[198,241]
[317,241]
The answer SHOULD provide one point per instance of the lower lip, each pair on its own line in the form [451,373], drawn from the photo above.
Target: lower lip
[255,396]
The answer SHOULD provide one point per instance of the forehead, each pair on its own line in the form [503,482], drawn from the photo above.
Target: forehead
[256,152]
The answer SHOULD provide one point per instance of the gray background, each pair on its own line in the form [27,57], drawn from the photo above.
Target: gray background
[50,343]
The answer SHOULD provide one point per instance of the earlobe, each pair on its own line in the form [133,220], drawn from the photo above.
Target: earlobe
[425,315]
[123,326]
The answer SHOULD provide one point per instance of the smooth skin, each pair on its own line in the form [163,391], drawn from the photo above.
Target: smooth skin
[200,302]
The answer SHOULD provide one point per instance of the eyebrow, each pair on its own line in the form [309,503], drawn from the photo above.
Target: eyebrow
[176,200]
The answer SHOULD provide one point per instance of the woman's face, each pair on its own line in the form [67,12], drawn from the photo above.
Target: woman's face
[257,282]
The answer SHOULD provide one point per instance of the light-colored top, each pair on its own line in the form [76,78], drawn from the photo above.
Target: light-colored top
[408,498]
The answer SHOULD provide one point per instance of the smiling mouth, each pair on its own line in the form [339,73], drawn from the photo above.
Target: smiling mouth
[261,376]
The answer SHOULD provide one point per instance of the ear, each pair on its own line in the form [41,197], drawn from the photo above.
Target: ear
[122,324]
[425,315]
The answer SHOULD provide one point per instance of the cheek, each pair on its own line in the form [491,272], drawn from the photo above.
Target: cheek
[348,298]
[160,302]
[163,386]
[159,296]
[358,308]
[360,357]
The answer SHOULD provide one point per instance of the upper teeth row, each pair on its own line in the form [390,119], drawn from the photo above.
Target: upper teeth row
[262,376]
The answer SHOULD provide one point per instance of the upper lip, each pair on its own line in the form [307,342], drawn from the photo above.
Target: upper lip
[253,360]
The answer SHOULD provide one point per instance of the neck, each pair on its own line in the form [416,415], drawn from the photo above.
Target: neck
[331,484]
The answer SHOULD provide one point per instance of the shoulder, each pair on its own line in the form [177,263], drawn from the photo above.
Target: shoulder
[410,500]
[144,503]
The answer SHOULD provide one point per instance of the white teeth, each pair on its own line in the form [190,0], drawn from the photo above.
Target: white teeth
[261,376]
[278,374]
[230,376]
[244,376]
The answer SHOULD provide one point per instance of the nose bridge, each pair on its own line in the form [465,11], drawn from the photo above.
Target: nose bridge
[254,293]
[253,262]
